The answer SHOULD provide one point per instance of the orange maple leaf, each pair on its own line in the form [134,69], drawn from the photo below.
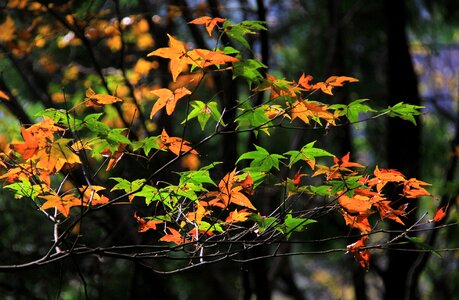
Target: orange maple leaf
[297,178]
[25,171]
[238,216]
[177,53]
[361,255]
[359,221]
[4,96]
[115,157]
[209,58]
[304,82]
[209,22]
[174,237]
[53,157]
[168,99]
[247,184]
[197,215]
[440,214]
[332,82]
[175,144]
[7,30]
[356,203]
[306,110]
[385,211]
[345,163]
[62,204]
[91,195]
[29,147]
[97,100]
[383,176]
[412,188]
[229,193]
[144,225]
[279,87]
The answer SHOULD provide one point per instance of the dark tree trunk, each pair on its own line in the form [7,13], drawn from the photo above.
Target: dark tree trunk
[403,140]
[342,136]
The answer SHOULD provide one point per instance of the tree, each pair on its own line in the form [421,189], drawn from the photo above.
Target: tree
[121,159]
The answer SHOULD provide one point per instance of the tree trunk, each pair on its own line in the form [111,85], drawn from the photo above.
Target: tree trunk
[403,140]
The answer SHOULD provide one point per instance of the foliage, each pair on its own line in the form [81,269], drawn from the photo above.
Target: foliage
[80,156]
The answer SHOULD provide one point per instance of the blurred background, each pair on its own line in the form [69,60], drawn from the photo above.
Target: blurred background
[52,51]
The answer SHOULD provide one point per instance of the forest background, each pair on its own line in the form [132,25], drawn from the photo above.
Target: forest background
[53,52]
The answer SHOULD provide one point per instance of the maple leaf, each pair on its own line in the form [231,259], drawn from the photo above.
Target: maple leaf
[383,176]
[345,163]
[209,58]
[412,188]
[97,100]
[362,256]
[332,82]
[91,196]
[7,30]
[359,221]
[197,215]
[29,147]
[144,225]
[168,99]
[25,171]
[178,55]
[306,110]
[174,237]
[62,204]
[175,144]
[53,157]
[229,193]
[45,130]
[115,157]
[385,211]
[238,216]
[355,204]
[4,96]
[279,87]
[304,82]
[209,22]
[297,178]
[440,214]
[247,184]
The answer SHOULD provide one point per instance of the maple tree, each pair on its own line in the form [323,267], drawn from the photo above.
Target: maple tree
[70,163]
